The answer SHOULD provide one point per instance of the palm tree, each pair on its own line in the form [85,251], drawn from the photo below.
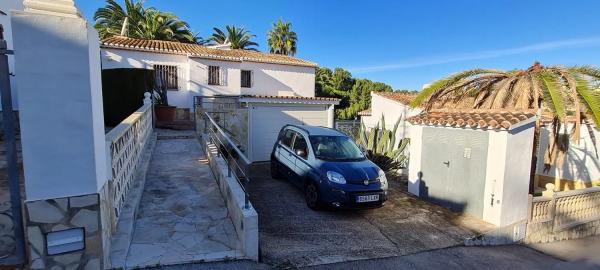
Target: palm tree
[281,39]
[562,93]
[237,37]
[136,21]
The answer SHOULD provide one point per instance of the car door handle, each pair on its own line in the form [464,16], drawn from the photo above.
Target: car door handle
[447,163]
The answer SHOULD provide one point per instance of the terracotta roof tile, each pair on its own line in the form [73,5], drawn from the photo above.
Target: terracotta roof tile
[403,98]
[480,119]
[366,112]
[195,50]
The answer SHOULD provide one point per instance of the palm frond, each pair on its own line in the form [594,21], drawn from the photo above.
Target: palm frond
[552,94]
[429,92]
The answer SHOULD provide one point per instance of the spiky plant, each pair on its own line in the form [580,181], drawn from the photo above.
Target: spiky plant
[381,147]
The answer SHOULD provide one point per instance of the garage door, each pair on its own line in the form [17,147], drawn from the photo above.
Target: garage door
[266,121]
[453,168]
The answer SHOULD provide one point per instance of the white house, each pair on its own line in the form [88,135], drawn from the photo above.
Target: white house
[195,70]
[392,106]
[272,90]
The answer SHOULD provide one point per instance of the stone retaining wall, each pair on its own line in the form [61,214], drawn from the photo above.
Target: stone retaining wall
[245,220]
[45,216]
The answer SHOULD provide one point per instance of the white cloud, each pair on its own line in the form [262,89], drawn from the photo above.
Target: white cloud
[444,59]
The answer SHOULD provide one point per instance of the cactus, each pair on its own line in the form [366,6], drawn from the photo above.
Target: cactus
[379,145]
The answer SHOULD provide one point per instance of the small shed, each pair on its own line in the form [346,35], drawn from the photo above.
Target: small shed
[477,161]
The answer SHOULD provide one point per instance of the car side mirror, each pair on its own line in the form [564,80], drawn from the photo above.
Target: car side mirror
[301,153]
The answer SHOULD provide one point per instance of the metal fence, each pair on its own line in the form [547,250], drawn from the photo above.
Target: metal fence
[349,127]
[238,165]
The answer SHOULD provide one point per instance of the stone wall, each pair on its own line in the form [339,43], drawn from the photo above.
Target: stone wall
[245,219]
[45,216]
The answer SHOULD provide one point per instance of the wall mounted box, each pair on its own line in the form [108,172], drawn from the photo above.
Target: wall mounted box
[65,241]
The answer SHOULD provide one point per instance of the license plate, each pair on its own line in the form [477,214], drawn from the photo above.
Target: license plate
[367,198]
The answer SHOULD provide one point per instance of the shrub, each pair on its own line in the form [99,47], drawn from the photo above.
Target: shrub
[380,146]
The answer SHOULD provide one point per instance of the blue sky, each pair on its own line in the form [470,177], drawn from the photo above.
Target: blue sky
[410,43]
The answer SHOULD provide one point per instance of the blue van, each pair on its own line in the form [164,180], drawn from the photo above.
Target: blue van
[329,167]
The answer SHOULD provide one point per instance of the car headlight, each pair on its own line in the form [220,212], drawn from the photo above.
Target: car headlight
[382,177]
[336,177]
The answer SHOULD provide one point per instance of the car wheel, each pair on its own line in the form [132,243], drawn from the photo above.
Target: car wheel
[275,174]
[311,195]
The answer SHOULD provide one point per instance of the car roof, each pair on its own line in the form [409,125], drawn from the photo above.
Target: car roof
[319,131]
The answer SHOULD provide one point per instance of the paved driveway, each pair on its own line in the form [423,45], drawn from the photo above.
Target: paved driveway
[291,235]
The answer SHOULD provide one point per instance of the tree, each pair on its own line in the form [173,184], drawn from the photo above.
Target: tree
[237,37]
[557,92]
[136,21]
[281,39]
[355,94]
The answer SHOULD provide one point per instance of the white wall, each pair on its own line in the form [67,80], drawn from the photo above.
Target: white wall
[517,173]
[6,6]
[60,100]
[274,80]
[115,58]
[199,77]
[494,176]
[414,164]
[391,110]
[268,79]
[580,162]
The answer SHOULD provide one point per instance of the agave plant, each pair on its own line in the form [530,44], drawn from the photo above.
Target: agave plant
[381,147]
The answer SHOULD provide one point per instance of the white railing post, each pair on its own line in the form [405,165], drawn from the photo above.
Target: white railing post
[147,99]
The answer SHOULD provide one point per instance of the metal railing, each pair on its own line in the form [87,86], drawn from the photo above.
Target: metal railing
[238,164]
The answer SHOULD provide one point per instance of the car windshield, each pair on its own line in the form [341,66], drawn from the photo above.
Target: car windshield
[335,148]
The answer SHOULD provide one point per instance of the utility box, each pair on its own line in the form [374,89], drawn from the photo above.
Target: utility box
[476,162]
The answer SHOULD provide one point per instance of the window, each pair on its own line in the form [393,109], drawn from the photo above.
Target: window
[287,137]
[300,144]
[214,75]
[167,76]
[339,148]
[246,78]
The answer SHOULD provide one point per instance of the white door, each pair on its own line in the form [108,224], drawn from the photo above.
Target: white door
[266,122]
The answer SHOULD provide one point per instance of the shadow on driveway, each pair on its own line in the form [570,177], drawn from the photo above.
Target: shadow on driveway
[292,235]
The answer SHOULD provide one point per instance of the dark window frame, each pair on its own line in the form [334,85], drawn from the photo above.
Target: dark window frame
[246,78]
[168,75]
[214,75]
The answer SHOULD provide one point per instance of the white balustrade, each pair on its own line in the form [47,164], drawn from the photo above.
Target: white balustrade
[567,209]
[124,145]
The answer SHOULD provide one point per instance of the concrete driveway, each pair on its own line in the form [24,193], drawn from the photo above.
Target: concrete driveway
[291,235]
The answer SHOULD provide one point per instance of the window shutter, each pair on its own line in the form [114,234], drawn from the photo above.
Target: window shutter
[251,78]
[223,74]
